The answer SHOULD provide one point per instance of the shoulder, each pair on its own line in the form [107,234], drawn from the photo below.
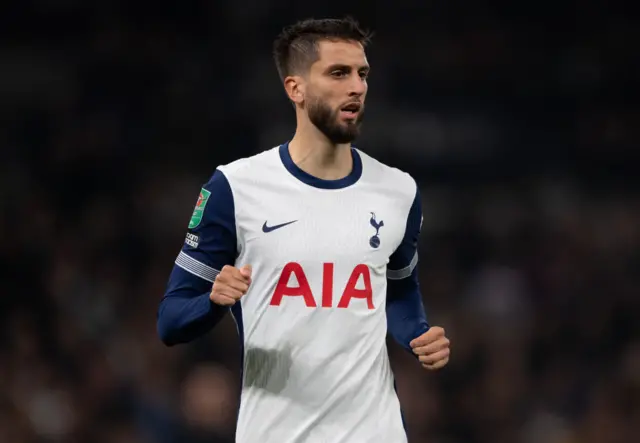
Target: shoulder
[392,180]
[255,166]
[228,178]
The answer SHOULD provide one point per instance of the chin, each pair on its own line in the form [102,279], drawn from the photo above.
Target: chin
[345,138]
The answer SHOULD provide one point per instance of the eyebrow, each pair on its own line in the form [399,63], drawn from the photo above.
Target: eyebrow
[343,66]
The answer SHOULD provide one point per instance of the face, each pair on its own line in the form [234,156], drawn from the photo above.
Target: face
[334,91]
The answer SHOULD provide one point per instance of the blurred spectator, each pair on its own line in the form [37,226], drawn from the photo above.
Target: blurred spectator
[520,126]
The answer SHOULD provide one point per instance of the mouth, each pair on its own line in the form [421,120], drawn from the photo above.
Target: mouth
[351,110]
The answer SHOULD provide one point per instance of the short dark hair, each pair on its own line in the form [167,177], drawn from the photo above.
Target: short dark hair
[296,48]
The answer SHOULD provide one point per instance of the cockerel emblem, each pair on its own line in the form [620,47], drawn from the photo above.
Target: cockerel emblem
[374,241]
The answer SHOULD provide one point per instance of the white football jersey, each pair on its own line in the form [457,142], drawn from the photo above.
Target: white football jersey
[314,321]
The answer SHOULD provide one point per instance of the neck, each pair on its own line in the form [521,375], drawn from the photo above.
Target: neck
[312,152]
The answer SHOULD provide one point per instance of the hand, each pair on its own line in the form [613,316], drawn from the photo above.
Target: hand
[230,285]
[432,348]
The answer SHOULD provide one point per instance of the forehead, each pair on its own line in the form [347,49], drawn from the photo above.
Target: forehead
[350,53]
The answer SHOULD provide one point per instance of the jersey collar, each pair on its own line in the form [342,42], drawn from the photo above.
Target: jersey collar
[316,182]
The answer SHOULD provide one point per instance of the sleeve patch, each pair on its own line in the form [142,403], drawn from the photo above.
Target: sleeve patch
[198,211]
[192,240]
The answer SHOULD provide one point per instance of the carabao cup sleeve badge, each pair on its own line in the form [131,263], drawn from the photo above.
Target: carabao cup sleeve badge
[198,211]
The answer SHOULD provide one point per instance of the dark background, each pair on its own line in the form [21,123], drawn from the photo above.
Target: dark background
[519,120]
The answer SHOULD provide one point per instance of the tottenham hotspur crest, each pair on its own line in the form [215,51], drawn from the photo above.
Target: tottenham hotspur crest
[375,240]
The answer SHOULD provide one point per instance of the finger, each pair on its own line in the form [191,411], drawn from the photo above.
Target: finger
[229,274]
[222,300]
[229,291]
[242,274]
[237,284]
[437,365]
[436,356]
[435,346]
[246,271]
[423,340]
[434,333]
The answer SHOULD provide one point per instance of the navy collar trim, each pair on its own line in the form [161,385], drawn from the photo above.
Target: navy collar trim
[305,177]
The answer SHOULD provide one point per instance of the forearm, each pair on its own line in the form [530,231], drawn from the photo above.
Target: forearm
[183,317]
[406,317]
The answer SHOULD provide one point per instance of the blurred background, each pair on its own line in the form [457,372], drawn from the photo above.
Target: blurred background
[519,121]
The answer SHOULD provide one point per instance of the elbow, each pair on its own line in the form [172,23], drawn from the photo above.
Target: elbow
[166,336]
[182,321]
[168,333]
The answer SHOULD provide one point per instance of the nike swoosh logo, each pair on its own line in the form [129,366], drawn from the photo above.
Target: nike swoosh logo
[266,228]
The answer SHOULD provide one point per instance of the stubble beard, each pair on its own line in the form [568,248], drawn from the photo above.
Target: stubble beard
[327,120]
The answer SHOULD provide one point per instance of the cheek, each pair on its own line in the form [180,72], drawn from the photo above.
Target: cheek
[328,91]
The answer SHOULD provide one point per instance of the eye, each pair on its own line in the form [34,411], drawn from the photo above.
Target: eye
[364,74]
[339,73]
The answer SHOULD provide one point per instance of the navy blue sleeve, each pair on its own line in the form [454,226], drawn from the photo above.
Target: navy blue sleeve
[185,312]
[406,318]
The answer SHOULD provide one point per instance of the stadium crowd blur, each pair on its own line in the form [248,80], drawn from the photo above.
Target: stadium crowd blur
[520,125]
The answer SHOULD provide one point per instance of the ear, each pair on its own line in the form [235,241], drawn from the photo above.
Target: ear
[295,87]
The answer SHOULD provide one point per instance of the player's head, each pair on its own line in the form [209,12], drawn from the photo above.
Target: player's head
[324,69]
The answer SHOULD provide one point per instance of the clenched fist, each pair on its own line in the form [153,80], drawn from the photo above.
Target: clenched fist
[432,348]
[230,285]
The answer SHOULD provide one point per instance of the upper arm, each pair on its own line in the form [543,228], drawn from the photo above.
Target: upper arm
[406,317]
[405,258]
[211,241]
[186,311]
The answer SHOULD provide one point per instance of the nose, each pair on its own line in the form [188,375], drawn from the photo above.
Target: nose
[358,86]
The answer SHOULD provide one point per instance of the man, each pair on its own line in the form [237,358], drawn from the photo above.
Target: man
[312,246]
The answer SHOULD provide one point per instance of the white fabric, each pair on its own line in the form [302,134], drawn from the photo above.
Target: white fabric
[317,374]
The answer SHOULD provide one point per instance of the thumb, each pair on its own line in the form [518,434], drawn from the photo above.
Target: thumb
[246,271]
[420,340]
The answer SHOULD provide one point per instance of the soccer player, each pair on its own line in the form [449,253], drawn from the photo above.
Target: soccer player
[312,247]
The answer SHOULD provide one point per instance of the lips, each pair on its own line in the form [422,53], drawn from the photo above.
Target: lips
[352,107]
[350,110]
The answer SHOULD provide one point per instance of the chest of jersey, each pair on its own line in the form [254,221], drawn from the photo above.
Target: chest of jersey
[327,246]
[346,226]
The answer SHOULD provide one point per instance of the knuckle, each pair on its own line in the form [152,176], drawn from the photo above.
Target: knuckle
[227,301]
